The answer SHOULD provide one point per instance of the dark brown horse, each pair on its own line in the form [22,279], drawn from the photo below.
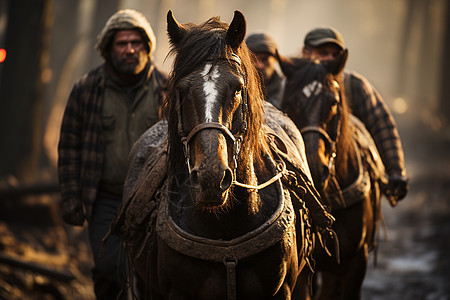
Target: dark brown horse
[345,167]
[223,225]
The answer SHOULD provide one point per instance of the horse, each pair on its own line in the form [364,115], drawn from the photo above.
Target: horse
[207,212]
[345,166]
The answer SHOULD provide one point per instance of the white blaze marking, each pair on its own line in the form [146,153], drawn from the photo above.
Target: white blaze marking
[209,87]
[312,88]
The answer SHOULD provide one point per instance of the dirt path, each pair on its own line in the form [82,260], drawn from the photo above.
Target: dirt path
[414,263]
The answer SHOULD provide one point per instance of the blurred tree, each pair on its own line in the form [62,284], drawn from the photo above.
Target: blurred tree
[445,85]
[405,37]
[103,10]
[23,85]
[72,55]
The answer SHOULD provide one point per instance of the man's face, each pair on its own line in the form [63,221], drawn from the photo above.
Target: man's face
[128,52]
[324,52]
[265,64]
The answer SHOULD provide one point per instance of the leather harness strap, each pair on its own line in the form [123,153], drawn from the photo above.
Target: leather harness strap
[231,279]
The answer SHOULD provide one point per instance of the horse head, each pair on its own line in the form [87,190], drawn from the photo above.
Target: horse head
[212,119]
[315,101]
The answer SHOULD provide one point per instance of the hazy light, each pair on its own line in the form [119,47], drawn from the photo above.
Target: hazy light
[433,121]
[46,75]
[400,106]
[2,55]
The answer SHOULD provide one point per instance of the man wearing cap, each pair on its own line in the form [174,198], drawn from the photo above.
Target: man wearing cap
[327,45]
[265,48]
[107,110]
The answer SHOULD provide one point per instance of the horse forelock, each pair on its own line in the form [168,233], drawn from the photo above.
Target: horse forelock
[205,44]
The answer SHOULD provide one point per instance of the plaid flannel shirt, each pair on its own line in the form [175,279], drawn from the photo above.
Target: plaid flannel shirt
[80,148]
[367,105]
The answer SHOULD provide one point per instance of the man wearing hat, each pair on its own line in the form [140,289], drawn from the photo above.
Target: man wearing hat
[327,45]
[265,48]
[107,110]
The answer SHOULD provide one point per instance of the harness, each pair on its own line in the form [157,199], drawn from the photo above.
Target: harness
[276,228]
[352,194]
[356,191]
[279,226]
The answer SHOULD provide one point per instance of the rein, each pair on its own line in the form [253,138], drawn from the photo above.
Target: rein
[279,175]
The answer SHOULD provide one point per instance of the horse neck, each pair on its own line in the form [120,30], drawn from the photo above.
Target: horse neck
[346,157]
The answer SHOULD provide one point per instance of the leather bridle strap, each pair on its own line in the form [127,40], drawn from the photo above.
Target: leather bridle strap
[210,125]
[231,278]
[319,130]
[325,135]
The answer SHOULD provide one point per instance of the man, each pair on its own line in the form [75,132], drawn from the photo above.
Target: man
[327,45]
[265,48]
[107,110]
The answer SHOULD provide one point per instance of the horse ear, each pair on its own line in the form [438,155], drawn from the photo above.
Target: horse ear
[286,65]
[236,30]
[175,30]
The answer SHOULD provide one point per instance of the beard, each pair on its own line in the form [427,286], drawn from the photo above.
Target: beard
[130,65]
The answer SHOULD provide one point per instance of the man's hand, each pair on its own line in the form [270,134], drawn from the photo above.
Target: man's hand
[72,212]
[397,187]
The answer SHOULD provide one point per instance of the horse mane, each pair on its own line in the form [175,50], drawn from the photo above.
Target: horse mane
[309,70]
[207,41]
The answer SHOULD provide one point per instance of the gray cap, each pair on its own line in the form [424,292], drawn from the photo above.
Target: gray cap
[323,35]
[261,42]
[124,20]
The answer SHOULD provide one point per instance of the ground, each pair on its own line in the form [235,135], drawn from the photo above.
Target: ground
[41,258]
[414,261]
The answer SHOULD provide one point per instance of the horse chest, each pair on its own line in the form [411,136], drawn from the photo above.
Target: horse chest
[261,261]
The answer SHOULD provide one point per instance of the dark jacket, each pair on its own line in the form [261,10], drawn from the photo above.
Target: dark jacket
[81,146]
[367,105]
[273,90]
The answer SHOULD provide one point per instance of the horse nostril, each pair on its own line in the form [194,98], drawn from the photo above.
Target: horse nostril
[194,177]
[325,173]
[227,180]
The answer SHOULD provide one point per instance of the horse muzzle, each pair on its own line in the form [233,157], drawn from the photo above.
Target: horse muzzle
[211,178]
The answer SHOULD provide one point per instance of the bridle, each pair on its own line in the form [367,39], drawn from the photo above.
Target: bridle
[236,139]
[330,141]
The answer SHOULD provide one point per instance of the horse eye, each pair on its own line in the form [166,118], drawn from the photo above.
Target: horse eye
[238,92]
[336,85]
[334,102]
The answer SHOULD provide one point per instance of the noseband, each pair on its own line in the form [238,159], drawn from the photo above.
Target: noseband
[326,137]
[211,125]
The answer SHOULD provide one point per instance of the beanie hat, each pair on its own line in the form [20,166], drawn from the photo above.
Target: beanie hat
[261,42]
[324,35]
[124,20]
